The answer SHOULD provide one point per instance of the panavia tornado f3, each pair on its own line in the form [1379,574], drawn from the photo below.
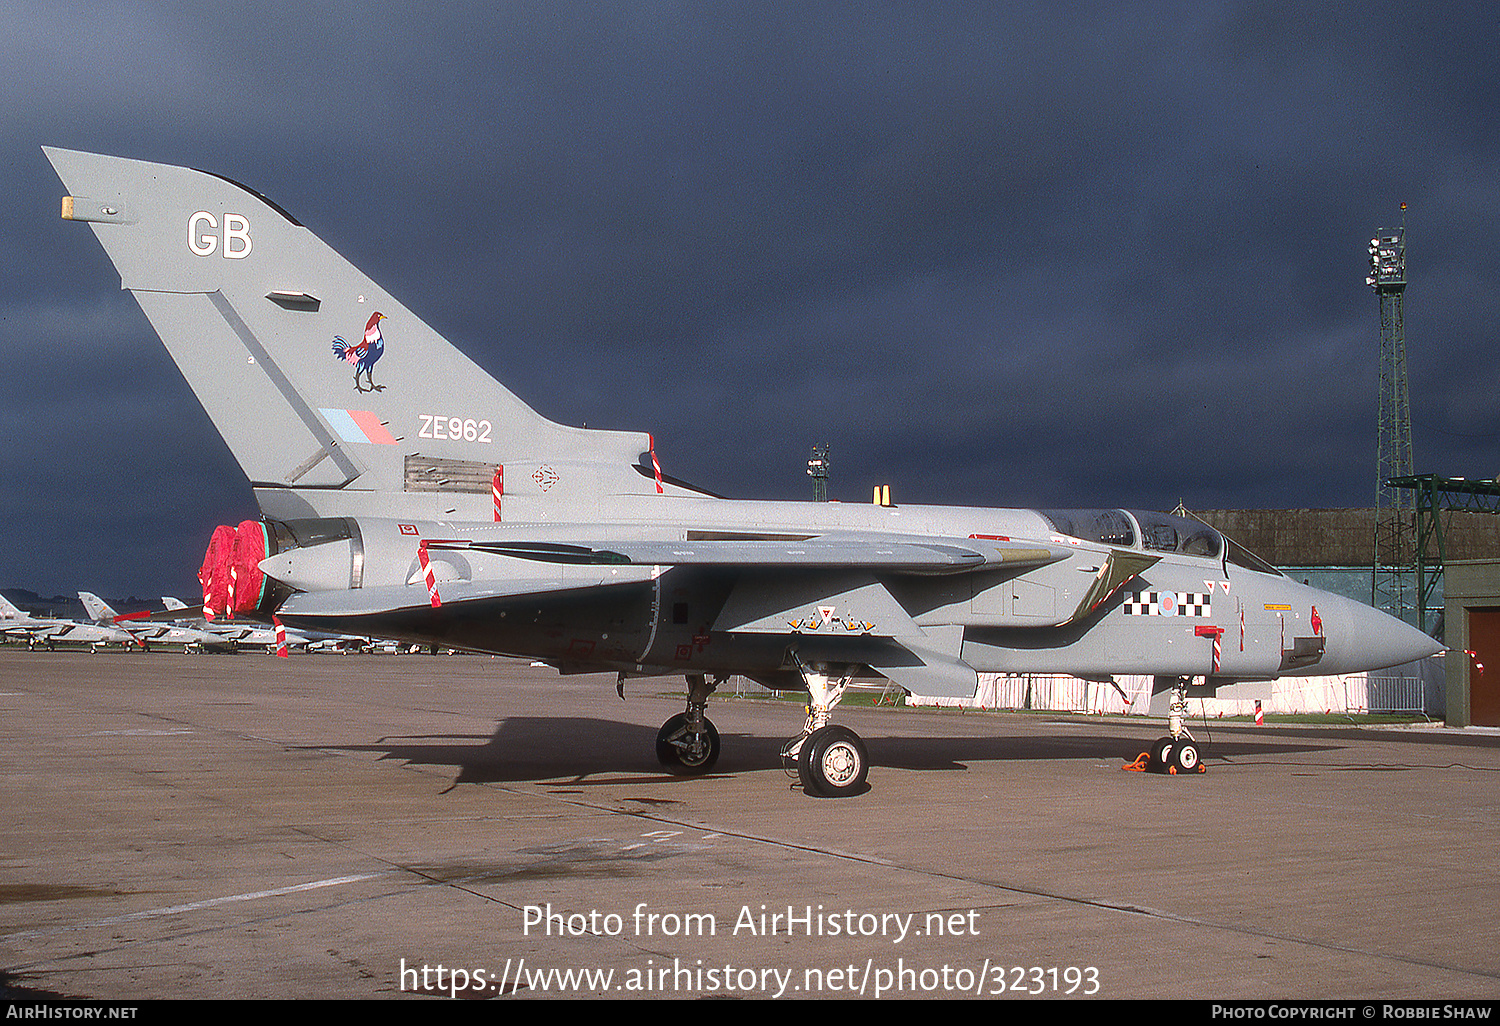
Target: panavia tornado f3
[407,494]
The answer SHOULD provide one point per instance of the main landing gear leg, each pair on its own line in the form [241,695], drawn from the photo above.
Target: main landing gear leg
[1179,752]
[831,760]
[688,744]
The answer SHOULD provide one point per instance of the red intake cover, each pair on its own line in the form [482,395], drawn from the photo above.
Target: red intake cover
[230,574]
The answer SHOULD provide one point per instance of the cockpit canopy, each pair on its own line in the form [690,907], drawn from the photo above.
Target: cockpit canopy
[1154,532]
[1105,526]
[1163,532]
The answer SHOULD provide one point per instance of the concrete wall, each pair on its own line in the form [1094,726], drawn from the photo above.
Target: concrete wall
[1341,537]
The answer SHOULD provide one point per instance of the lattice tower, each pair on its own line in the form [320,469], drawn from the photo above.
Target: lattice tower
[817,469]
[1391,586]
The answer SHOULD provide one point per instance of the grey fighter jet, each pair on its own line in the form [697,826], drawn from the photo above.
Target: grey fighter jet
[440,509]
[48,631]
[234,633]
[147,631]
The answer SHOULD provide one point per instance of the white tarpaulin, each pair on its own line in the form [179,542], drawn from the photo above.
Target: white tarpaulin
[1415,688]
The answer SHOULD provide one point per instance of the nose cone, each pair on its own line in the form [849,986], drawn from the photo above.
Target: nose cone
[1361,638]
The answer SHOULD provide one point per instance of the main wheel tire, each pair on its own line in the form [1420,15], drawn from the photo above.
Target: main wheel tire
[674,751]
[1185,758]
[833,762]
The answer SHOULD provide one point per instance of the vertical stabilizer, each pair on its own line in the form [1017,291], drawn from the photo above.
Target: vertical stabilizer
[98,610]
[324,385]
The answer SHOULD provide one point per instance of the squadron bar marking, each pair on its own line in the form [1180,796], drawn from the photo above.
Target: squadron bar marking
[1167,603]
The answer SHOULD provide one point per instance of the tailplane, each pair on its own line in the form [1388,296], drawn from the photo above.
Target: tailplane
[332,395]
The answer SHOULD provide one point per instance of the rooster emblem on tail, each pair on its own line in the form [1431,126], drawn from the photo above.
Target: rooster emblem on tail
[363,355]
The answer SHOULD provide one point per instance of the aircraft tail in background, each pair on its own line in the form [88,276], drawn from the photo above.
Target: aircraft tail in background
[98,610]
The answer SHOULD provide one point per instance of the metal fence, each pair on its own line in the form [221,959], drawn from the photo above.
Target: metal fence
[1395,695]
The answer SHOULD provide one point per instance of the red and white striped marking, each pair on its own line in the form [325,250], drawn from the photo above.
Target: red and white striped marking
[280,638]
[655,464]
[497,489]
[427,574]
[1217,633]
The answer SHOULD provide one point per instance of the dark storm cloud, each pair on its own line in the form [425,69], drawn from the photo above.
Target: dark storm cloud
[993,254]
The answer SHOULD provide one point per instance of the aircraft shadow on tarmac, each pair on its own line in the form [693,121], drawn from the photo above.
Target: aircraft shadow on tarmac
[585,750]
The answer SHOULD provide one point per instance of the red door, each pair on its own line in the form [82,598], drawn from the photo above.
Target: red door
[1484,667]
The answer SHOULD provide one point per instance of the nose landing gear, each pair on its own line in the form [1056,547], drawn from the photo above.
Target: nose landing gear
[1177,753]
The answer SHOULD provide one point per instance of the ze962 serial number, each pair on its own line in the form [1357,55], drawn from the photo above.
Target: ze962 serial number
[453,429]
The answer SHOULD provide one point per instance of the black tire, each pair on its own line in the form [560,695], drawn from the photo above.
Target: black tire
[1161,755]
[675,752]
[1185,757]
[833,762]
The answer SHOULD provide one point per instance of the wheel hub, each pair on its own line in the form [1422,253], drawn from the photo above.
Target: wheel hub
[840,764]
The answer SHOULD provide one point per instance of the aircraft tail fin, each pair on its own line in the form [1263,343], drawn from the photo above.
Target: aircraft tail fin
[326,388]
[8,611]
[98,610]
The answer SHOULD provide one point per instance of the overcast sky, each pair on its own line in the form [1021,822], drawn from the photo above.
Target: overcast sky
[992,254]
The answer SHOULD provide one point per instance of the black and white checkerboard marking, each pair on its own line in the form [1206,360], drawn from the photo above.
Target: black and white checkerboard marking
[1168,603]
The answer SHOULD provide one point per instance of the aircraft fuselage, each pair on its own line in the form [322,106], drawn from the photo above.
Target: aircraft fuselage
[1183,615]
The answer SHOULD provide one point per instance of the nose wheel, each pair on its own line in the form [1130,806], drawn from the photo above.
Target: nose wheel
[833,762]
[1177,753]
